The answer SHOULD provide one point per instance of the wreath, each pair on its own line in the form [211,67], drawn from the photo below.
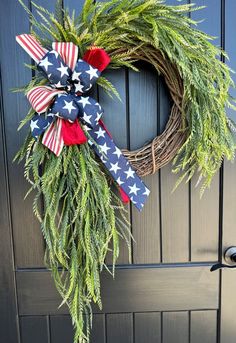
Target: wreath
[71,161]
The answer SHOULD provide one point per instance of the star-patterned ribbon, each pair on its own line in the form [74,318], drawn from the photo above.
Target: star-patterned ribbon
[61,108]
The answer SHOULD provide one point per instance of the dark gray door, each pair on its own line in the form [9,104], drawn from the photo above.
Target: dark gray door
[167,294]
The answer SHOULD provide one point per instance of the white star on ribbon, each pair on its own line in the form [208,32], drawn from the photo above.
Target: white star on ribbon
[147,192]
[78,87]
[63,70]
[104,148]
[134,189]
[87,118]
[130,173]
[45,63]
[117,152]
[84,101]
[69,106]
[118,180]
[100,132]
[92,72]
[76,75]
[98,117]
[114,167]
[33,125]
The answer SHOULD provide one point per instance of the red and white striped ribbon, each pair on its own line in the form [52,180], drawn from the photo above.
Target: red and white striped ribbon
[31,46]
[52,137]
[41,97]
[68,51]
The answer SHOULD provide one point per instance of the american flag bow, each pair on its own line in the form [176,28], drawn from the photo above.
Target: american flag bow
[61,107]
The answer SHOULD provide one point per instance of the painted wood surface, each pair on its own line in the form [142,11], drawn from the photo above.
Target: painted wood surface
[167,293]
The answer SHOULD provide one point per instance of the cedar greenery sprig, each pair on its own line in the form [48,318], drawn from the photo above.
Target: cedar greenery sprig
[81,215]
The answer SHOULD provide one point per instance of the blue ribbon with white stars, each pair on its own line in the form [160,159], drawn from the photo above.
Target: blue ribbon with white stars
[71,106]
[119,167]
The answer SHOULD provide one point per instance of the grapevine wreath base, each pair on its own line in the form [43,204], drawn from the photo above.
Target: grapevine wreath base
[163,148]
[71,161]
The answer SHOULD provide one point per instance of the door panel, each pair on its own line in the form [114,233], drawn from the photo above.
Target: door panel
[151,327]
[167,293]
[61,329]
[36,327]
[205,212]
[175,233]
[143,123]
[8,310]
[122,325]
[176,327]
[228,300]
[203,326]
[147,325]
[134,290]
[205,223]
[26,231]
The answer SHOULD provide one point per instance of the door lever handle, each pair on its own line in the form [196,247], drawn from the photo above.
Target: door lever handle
[220,266]
[230,258]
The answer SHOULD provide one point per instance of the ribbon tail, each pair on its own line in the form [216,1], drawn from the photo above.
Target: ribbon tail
[119,167]
[52,137]
[33,48]
[123,195]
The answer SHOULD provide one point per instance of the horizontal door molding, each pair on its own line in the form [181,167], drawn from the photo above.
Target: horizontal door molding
[133,290]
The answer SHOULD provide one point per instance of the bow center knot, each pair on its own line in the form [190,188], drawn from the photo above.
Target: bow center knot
[69,104]
[68,88]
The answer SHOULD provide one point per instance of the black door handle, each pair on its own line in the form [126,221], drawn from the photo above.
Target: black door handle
[230,258]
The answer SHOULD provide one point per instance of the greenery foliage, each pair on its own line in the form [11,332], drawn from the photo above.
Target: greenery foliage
[78,218]
[81,215]
[128,29]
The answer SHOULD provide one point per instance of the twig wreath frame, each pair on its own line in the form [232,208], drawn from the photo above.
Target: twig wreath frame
[82,214]
[163,148]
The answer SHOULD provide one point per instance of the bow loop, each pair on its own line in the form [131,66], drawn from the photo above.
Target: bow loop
[55,69]
[41,97]
[39,123]
[68,51]
[31,46]
[84,76]
[53,138]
